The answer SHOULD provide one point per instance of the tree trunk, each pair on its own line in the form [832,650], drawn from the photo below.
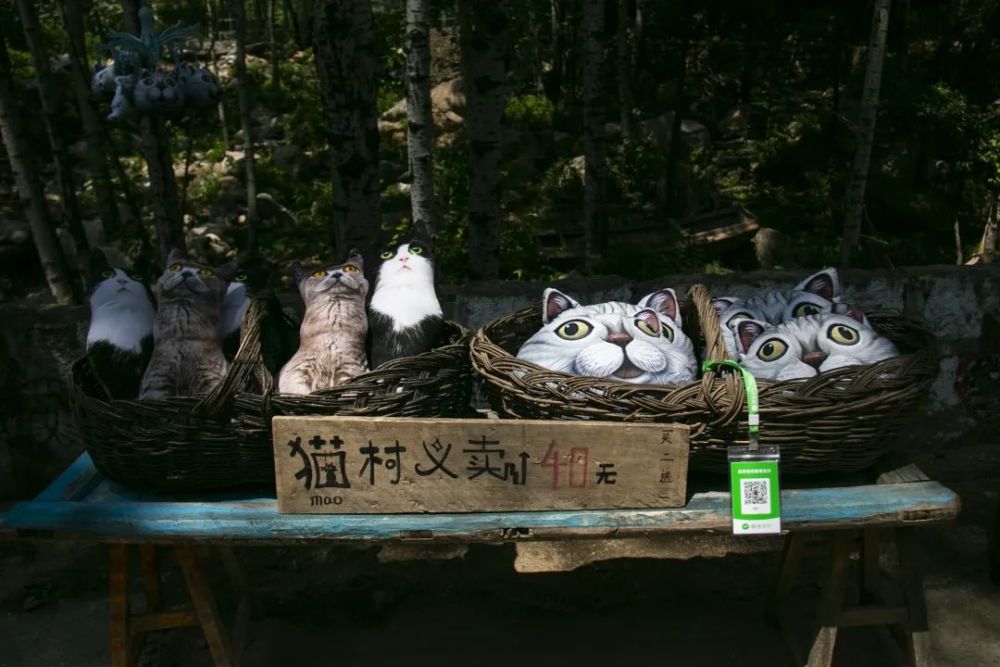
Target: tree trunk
[420,122]
[272,46]
[345,63]
[97,161]
[155,148]
[61,281]
[595,198]
[60,156]
[554,81]
[854,200]
[213,32]
[626,50]
[242,86]
[484,72]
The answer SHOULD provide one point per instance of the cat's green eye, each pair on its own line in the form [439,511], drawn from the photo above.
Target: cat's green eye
[738,316]
[108,274]
[574,330]
[387,254]
[240,277]
[416,250]
[843,334]
[319,273]
[646,328]
[772,349]
[176,266]
[136,277]
[207,273]
[804,309]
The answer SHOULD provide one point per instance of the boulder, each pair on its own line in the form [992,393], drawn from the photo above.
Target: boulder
[287,156]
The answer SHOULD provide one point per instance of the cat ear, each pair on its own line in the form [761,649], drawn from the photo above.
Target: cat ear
[663,302]
[851,311]
[721,304]
[555,302]
[298,273]
[747,331]
[651,318]
[176,255]
[825,283]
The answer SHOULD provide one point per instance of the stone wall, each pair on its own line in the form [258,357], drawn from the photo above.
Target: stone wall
[960,305]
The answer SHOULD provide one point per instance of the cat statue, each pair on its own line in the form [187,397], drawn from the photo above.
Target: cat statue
[157,92]
[201,87]
[806,346]
[404,317]
[641,343]
[279,335]
[120,337]
[187,354]
[334,330]
[121,105]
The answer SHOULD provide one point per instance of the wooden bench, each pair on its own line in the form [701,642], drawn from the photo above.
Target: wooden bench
[81,505]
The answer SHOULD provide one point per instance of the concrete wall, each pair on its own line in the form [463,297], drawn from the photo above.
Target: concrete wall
[960,305]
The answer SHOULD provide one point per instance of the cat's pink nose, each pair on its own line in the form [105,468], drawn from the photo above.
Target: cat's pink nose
[622,339]
[814,359]
[122,282]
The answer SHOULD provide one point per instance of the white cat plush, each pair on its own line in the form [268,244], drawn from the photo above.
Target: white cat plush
[121,105]
[641,343]
[805,346]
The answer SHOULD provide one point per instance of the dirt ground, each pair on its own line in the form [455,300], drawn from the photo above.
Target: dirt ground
[319,607]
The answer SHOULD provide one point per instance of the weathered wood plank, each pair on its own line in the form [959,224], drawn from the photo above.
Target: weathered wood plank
[906,473]
[378,465]
[258,520]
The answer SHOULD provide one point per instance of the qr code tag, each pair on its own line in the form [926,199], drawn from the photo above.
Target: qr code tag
[756,496]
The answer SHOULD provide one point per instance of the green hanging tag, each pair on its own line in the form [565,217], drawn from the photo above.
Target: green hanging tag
[753,469]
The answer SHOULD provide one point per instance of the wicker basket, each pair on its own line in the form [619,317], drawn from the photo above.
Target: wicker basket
[437,383]
[837,421]
[182,444]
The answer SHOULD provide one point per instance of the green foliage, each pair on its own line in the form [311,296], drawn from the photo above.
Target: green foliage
[529,112]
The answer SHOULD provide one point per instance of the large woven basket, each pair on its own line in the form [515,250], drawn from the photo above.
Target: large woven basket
[838,421]
[182,444]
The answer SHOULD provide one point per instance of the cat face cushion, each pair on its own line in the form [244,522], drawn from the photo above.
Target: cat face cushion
[184,277]
[201,87]
[157,92]
[805,346]
[639,343]
[345,278]
[121,105]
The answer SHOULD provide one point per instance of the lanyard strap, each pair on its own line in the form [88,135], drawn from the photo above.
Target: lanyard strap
[750,387]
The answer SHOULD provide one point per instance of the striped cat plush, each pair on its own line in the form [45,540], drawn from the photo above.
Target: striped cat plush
[641,343]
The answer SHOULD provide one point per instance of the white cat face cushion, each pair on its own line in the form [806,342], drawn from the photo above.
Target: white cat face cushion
[642,344]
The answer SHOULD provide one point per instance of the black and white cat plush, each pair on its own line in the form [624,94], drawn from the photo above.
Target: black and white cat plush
[404,316]
[120,338]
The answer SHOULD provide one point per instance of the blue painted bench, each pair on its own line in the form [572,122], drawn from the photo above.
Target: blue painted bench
[81,505]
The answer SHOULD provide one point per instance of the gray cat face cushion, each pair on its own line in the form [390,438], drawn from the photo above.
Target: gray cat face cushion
[806,346]
[183,278]
[345,278]
[201,87]
[639,343]
[157,92]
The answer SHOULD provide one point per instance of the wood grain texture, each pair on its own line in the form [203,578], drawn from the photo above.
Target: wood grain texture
[351,465]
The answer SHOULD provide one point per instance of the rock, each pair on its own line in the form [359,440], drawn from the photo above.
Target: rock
[695,135]
[448,96]
[773,249]
[390,127]
[449,121]
[658,131]
[735,123]
[287,156]
[271,211]
[396,112]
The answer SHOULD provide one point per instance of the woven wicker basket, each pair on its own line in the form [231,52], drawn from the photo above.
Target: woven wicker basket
[838,421]
[182,444]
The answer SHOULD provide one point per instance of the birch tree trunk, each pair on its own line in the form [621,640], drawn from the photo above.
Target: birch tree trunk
[343,41]
[484,71]
[272,46]
[595,204]
[420,122]
[61,281]
[244,96]
[155,147]
[854,199]
[97,161]
[213,31]
[625,52]
[60,156]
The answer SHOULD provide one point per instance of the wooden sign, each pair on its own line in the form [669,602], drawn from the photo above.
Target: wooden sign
[352,465]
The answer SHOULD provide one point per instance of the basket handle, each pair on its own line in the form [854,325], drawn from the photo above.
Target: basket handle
[249,361]
[708,319]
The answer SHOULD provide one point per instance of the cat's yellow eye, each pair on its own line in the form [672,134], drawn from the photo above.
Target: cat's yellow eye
[416,250]
[772,349]
[646,328]
[176,266]
[843,334]
[738,316]
[574,330]
[668,333]
[207,273]
[319,273]
[804,309]
[108,274]
[240,277]
[387,254]
[350,268]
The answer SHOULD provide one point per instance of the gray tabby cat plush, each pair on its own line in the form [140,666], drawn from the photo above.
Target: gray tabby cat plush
[640,343]
[156,92]
[334,329]
[805,346]
[201,87]
[187,354]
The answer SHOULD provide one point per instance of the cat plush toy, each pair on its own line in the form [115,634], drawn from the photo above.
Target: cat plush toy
[120,337]
[805,346]
[334,329]
[641,343]
[187,354]
[404,316]
[201,87]
[156,92]
[121,104]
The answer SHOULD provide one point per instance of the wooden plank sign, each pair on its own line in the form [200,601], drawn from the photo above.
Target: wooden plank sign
[359,465]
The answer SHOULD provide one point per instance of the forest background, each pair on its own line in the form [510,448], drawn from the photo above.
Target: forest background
[529,138]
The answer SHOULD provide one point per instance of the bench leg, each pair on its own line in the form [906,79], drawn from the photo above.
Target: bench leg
[121,646]
[151,577]
[204,604]
[821,653]
[917,643]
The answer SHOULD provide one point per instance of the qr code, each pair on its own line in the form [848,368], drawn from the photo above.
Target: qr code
[756,496]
